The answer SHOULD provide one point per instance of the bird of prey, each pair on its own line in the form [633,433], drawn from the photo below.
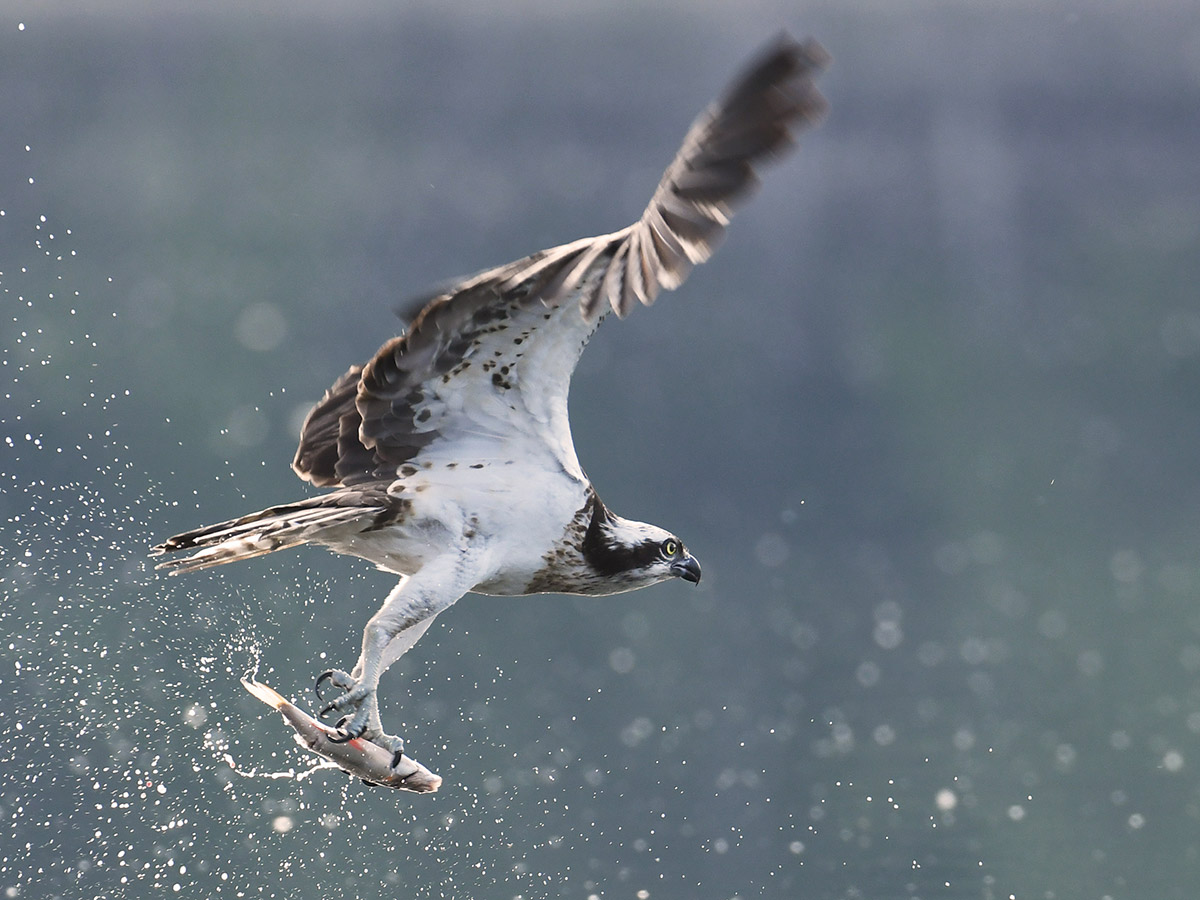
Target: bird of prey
[448,455]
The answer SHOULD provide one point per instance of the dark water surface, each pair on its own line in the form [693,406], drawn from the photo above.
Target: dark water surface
[929,419]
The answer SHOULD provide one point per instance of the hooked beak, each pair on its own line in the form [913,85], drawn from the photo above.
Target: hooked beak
[687,569]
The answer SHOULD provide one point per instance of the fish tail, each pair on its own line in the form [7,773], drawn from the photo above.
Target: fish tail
[267,695]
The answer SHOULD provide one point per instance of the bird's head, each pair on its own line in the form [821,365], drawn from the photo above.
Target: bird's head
[630,555]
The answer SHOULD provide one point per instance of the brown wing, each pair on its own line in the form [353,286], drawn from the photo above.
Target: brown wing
[493,356]
[713,170]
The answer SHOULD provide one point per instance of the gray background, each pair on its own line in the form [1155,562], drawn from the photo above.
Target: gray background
[929,419]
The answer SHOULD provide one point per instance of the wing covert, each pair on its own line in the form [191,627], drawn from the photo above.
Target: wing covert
[491,358]
[713,170]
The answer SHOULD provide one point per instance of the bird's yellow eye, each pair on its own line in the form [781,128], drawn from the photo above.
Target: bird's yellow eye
[670,548]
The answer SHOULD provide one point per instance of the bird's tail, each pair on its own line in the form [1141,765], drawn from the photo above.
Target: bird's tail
[264,532]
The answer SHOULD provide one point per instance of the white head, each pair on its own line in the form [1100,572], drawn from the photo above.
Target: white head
[627,555]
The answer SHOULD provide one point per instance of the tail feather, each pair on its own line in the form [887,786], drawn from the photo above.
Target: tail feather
[266,531]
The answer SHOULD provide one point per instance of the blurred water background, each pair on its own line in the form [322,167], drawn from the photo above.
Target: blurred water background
[929,419]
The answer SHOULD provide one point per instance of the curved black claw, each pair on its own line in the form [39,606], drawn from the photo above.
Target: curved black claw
[396,757]
[343,681]
[340,680]
[344,737]
[327,675]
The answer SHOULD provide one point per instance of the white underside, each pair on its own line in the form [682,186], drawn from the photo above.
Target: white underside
[509,515]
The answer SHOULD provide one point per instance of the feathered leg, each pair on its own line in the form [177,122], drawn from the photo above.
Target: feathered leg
[406,614]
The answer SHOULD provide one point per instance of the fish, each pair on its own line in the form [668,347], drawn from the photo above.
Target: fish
[357,757]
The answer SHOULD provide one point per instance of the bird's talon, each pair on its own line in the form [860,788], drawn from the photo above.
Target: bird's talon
[358,714]
[327,675]
[337,678]
[347,733]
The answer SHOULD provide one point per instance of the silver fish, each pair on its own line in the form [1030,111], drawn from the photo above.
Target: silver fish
[357,757]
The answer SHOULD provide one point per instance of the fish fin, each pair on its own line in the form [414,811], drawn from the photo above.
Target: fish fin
[267,695]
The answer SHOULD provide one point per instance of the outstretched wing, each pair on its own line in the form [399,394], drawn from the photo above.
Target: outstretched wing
[491,359]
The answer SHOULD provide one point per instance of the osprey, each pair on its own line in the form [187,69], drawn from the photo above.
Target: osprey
[449,454]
